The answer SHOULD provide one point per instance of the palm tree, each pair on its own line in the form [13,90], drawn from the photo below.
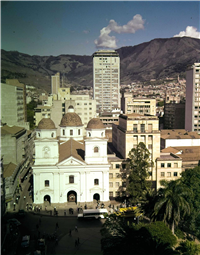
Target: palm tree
[172,202]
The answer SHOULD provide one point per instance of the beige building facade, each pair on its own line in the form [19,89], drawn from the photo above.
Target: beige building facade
[133,129]
[168,167]
[142,106]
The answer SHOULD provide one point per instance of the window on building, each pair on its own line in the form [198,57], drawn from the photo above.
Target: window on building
[110,184]
[117,175]
[52,134]
[63,132]
[162,164]
[71,179]
[150,146]
[162,174]
[46,183]
[110,175]
[89,133]
[142,128]
[116,184]
[135,128]
[169,164]
[168,174]
[79,131]
[149,127]
[96,149]
[117,193]
[71,132]
[117,166]
[175,165]
[110,193]
[96,181]
[175,174]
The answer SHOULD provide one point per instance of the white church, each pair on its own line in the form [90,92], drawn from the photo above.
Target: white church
[70,168]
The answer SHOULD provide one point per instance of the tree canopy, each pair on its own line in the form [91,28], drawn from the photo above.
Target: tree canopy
[139,170]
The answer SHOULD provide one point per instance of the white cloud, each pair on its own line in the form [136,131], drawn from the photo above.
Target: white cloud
[107,41]
[190,32]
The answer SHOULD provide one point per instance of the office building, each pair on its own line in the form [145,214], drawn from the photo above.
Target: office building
[174,115]
[106,80]
[13,103]
[55,83]
[142,106]
[192,110]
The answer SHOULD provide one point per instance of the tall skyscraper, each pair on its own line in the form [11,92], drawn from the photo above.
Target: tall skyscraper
[55,83]
[106,80]
[192,109]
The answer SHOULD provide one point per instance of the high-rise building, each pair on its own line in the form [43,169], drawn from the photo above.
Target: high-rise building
[13,103]
[106,80]
[192,109]
[55,83]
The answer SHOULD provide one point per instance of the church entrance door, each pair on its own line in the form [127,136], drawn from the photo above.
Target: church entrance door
[96,196]
[47,199]
[72,196]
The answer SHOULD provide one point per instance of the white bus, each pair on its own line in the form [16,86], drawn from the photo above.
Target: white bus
[93,213]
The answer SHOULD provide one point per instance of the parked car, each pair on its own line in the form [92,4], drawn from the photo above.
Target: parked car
[25,241]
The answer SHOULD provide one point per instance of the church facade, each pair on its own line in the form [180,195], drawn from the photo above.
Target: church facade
[71,168]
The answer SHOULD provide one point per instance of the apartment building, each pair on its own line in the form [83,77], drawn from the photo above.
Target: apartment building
[129,104]
[106,80]
[192,109]
[168,167]
[174,115]
[55,83]
[13,103]
[133,129]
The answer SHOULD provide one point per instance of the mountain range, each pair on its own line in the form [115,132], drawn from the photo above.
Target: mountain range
[156,59]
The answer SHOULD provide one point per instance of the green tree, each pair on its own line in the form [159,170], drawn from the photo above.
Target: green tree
[191,178]
[139,170]
[122,237]
[31,112]
[172,204]
[188,248]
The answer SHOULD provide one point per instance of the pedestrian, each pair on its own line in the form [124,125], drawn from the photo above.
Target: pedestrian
[70,232]
[24,197]
[76,229]
[65,212]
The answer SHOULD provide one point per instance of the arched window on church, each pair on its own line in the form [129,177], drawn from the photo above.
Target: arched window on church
[46,183]
[71,132]
[52,134]
[63,132]
[102,134]
[79,131]
[38,134]
[71,179]
[89,133]
[96,149]
[96,181]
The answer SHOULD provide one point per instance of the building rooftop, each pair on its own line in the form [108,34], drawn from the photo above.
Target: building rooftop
[12,130]
[46,123]
[178,134]
[168,156]
[71,148]
[187,153]
[71,119]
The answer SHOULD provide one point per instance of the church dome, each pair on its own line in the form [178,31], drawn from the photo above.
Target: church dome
[95,123]
[71,119]
[46,123]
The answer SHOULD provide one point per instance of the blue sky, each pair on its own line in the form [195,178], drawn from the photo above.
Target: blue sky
[63,27]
